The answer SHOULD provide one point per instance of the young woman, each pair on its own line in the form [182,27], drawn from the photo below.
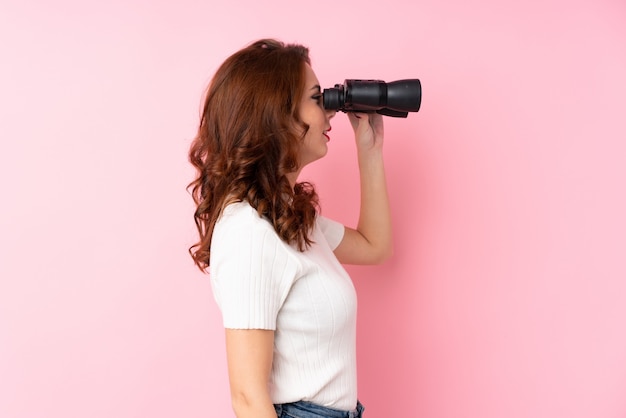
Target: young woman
[288,306]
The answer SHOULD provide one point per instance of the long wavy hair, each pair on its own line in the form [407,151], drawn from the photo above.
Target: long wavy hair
[248,141]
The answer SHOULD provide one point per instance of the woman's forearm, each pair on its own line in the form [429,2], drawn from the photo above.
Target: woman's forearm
[375,214]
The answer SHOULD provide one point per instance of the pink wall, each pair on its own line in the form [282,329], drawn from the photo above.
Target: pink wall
[507,293]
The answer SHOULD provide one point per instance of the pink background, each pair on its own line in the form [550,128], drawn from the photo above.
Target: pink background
[507,293]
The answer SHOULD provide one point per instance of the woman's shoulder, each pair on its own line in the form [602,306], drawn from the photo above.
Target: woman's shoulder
[241,230]
[238,209]
[241,216]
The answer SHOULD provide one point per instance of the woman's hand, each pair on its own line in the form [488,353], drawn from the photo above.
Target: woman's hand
[368,130]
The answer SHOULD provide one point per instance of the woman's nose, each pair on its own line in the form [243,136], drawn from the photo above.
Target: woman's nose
[331,114]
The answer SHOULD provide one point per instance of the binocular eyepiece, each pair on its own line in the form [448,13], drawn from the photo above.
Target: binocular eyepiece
[396,98]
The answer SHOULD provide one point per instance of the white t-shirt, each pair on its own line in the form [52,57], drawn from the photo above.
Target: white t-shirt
[307,298]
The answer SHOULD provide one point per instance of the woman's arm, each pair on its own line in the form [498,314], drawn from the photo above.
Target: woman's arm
[371,241]
[249,354]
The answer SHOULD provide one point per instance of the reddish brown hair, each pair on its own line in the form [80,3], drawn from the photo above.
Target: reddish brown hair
[248,141]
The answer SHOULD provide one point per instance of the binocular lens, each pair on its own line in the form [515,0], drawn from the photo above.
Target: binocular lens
[333,97]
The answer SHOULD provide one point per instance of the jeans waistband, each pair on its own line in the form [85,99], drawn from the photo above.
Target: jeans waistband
[304,409]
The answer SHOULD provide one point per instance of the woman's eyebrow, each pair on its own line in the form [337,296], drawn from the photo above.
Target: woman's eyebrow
[316,87]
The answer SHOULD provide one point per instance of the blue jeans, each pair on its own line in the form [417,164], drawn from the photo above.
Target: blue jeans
[304,409]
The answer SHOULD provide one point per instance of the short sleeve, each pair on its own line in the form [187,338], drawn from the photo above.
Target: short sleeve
[333,231]
[251,269]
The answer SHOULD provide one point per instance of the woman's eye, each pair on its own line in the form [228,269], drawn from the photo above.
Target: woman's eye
[318,98]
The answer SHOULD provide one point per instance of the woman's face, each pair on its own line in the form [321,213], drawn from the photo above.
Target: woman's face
[314,145]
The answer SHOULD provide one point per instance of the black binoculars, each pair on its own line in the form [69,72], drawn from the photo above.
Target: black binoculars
[396,98]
